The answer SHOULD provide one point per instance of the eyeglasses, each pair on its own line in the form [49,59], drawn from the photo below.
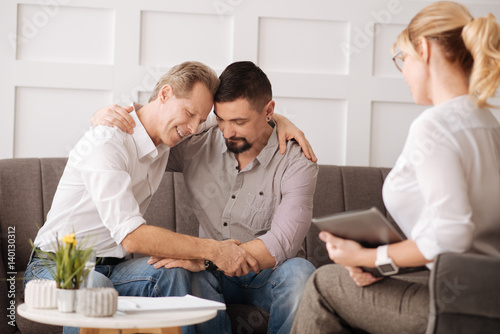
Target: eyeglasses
[399,60]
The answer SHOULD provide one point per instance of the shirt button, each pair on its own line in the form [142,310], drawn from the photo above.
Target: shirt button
[225,224]
[233,196]
[261,193]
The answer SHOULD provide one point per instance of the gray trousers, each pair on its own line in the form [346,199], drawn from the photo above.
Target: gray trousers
[333,303]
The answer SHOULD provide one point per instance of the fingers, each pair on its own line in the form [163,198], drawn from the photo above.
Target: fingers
[153,259]
[114,115]
[253,263]
[282,141]
[123,119]
[360,277]
[163,263]
[329,238]
[234,241]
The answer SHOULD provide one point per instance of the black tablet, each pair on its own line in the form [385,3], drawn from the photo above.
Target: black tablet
[368,227]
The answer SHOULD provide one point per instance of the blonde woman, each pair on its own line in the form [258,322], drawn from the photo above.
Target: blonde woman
[443,191]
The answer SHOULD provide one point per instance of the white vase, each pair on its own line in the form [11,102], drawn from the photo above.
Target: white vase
[40,294]
[66,300]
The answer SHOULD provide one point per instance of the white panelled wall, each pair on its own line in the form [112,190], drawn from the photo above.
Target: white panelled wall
[329,62]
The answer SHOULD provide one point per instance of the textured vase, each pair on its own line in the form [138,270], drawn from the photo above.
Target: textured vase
[40,293]
[66,300]
[97,302]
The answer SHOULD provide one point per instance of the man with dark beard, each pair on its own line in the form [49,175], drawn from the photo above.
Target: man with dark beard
[241,187]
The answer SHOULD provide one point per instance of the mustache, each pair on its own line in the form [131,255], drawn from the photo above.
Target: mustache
[236,138]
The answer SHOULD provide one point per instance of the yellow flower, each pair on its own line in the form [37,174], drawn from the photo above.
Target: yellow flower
[67,263]
[69,239]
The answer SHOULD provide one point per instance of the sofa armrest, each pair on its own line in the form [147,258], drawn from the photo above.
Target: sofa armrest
[464,294]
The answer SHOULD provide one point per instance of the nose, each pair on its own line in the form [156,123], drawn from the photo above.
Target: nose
[193,126]
[227,130]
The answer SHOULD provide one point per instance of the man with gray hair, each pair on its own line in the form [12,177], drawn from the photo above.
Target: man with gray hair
[109,181]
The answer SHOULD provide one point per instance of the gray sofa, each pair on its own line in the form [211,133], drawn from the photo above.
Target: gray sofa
[465,289]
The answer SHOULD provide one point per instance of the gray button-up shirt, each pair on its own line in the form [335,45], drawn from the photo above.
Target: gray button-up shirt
[270,199]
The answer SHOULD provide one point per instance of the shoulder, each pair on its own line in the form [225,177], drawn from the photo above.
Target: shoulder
[454,116]
[296,160]
[100,143]
[103,134]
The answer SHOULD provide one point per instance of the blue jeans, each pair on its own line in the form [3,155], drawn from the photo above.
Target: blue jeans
[276,291]
[130,278]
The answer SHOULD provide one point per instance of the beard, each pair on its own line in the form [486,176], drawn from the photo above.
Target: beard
[237,145]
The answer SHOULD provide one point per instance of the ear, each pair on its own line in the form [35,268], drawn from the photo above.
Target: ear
[165,93]
[269,109]
[424,49]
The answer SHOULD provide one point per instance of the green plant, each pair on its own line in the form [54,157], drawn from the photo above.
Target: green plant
[69,259]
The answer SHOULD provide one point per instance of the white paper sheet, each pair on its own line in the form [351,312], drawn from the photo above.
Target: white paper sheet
[186,303]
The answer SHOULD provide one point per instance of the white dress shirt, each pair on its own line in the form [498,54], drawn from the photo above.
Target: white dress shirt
[106,187]
[444,190]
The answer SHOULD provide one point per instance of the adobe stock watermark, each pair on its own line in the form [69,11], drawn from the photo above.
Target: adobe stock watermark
[363,37]
[29,27]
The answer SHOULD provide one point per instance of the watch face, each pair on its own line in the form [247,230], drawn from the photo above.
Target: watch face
[386,267]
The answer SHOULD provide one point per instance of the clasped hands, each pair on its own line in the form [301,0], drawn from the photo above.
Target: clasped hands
[351,255]
[230,258]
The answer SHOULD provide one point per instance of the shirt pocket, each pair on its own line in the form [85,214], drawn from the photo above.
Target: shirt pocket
[259,212]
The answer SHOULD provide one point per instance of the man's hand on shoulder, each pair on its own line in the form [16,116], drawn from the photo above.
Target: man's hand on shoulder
[115,115]
[286,131]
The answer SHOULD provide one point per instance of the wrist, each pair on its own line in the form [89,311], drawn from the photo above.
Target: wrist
[209,251]
[368,256]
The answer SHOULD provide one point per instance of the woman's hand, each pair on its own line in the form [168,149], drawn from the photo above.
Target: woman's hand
[346,252]
[286,131]
[360,277]
[191,265]
[115,115]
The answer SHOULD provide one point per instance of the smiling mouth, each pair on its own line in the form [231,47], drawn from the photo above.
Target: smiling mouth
[179,132]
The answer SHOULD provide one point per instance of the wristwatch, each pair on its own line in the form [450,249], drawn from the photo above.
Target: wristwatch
[210,266]
[384,263]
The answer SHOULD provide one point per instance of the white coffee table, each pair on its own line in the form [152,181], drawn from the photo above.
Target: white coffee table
[163,322]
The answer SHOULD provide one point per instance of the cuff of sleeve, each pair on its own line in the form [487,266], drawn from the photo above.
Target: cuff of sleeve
[273,247]
[427,246]
[122,230]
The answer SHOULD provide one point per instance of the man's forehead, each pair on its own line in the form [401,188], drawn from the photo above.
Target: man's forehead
[239,108]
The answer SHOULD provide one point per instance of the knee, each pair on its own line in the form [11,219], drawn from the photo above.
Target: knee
[293,274]
[297,269]
[174,275]
[98,280]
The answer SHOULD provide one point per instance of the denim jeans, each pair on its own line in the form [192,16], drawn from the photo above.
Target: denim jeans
[277,291]
[130,278]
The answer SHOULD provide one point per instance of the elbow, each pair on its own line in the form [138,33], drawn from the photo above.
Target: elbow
[130,244]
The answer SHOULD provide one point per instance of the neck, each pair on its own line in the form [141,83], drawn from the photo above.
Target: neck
[146,116]
[246,157]
[447,83]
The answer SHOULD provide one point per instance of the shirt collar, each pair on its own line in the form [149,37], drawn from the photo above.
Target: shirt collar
[143,142]
[269,150]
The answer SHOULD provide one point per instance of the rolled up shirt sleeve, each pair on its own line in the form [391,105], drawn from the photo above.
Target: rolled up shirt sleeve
[293,215]
[104,173]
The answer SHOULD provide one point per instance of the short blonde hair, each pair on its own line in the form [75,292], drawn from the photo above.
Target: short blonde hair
[182,77]
[473,43]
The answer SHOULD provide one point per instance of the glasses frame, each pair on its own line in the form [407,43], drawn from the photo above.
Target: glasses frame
[398,55]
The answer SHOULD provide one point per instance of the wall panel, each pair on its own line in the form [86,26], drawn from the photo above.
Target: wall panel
[329,63]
